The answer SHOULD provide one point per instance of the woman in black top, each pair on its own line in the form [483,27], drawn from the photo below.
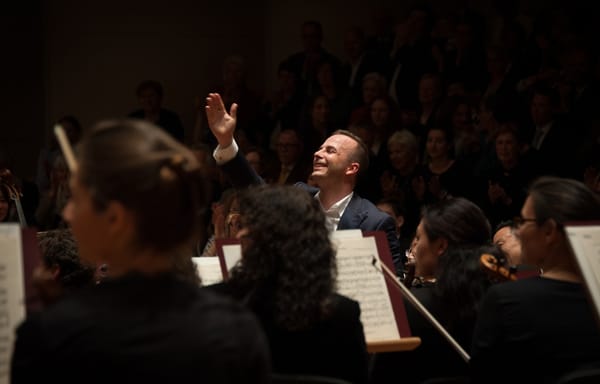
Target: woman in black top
[287,276]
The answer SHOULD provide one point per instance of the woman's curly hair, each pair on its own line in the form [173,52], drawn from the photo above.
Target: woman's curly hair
[288,268]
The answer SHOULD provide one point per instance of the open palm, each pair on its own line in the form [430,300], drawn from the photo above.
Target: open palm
[221,123]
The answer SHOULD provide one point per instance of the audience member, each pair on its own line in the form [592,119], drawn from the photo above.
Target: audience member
[293,167]
[304,63]
[150,96]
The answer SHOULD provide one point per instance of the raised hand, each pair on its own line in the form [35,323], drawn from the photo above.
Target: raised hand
[221,123]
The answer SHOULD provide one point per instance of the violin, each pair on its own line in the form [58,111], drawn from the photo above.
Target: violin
[496,268]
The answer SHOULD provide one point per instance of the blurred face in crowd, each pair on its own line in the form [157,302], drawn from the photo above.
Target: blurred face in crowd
[320,111]
[289,147]
[311,37]
[507,148]
[437,145]
[401,157]
[149,99]
[369,91]
[461,118]
[380,113]
[353,44]
[428,90]
[541,110]
[254,160]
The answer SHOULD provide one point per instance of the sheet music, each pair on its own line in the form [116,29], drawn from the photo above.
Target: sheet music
[209,269]
[358,280]
[12,293]
[585,242]
[232,254]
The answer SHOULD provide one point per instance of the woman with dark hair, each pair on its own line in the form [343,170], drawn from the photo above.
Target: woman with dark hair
[449,282]
[287,276]
[137,200]
[441,175]
[545,323]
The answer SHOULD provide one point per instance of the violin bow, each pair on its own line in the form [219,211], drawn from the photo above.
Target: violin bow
[387,273]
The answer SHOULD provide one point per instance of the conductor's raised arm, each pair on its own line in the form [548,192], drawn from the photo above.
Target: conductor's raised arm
[221,123]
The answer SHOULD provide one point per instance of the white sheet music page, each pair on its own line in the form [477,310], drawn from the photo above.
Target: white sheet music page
[232,254]
[359,280]
[585,242]
[12,293]
[209,269]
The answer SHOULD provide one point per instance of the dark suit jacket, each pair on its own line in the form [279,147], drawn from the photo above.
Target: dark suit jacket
[557,153]
[299,173]
[141,329]
[333,347]
[359,214]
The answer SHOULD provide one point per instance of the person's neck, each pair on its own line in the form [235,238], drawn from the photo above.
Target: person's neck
[439,164]
[330,194]
[508,165]
[152,115]
[559,267]
[570,276]
[146,262]
[329,91]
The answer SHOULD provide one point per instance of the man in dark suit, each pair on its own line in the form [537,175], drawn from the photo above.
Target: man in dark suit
[553,138]
[293,164]
[336,167]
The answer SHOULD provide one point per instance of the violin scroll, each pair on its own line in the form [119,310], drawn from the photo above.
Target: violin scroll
[494,267]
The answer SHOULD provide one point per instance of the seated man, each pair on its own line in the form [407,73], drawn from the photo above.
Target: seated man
[336,168]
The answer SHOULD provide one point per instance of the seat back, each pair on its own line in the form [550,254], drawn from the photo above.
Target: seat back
[277,378]
[581,376]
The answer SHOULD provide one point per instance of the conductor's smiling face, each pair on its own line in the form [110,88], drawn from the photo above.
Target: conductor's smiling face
[333,158]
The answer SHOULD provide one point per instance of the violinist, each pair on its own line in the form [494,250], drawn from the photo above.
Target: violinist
[447,246]
[544,323]
[506,239]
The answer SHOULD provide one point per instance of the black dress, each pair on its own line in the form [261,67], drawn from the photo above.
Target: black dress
[143,330]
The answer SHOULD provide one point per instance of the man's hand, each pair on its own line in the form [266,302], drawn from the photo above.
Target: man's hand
[221,123]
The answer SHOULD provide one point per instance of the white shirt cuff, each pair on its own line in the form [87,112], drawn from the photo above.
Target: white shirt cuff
[223,155]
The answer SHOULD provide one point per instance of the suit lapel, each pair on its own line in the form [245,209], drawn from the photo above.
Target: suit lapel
[354,214]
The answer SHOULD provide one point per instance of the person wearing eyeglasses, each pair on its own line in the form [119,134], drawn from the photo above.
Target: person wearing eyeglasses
[292,165]
[545,323]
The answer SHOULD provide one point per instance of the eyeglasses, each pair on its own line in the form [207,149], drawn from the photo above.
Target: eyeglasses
[519,220]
